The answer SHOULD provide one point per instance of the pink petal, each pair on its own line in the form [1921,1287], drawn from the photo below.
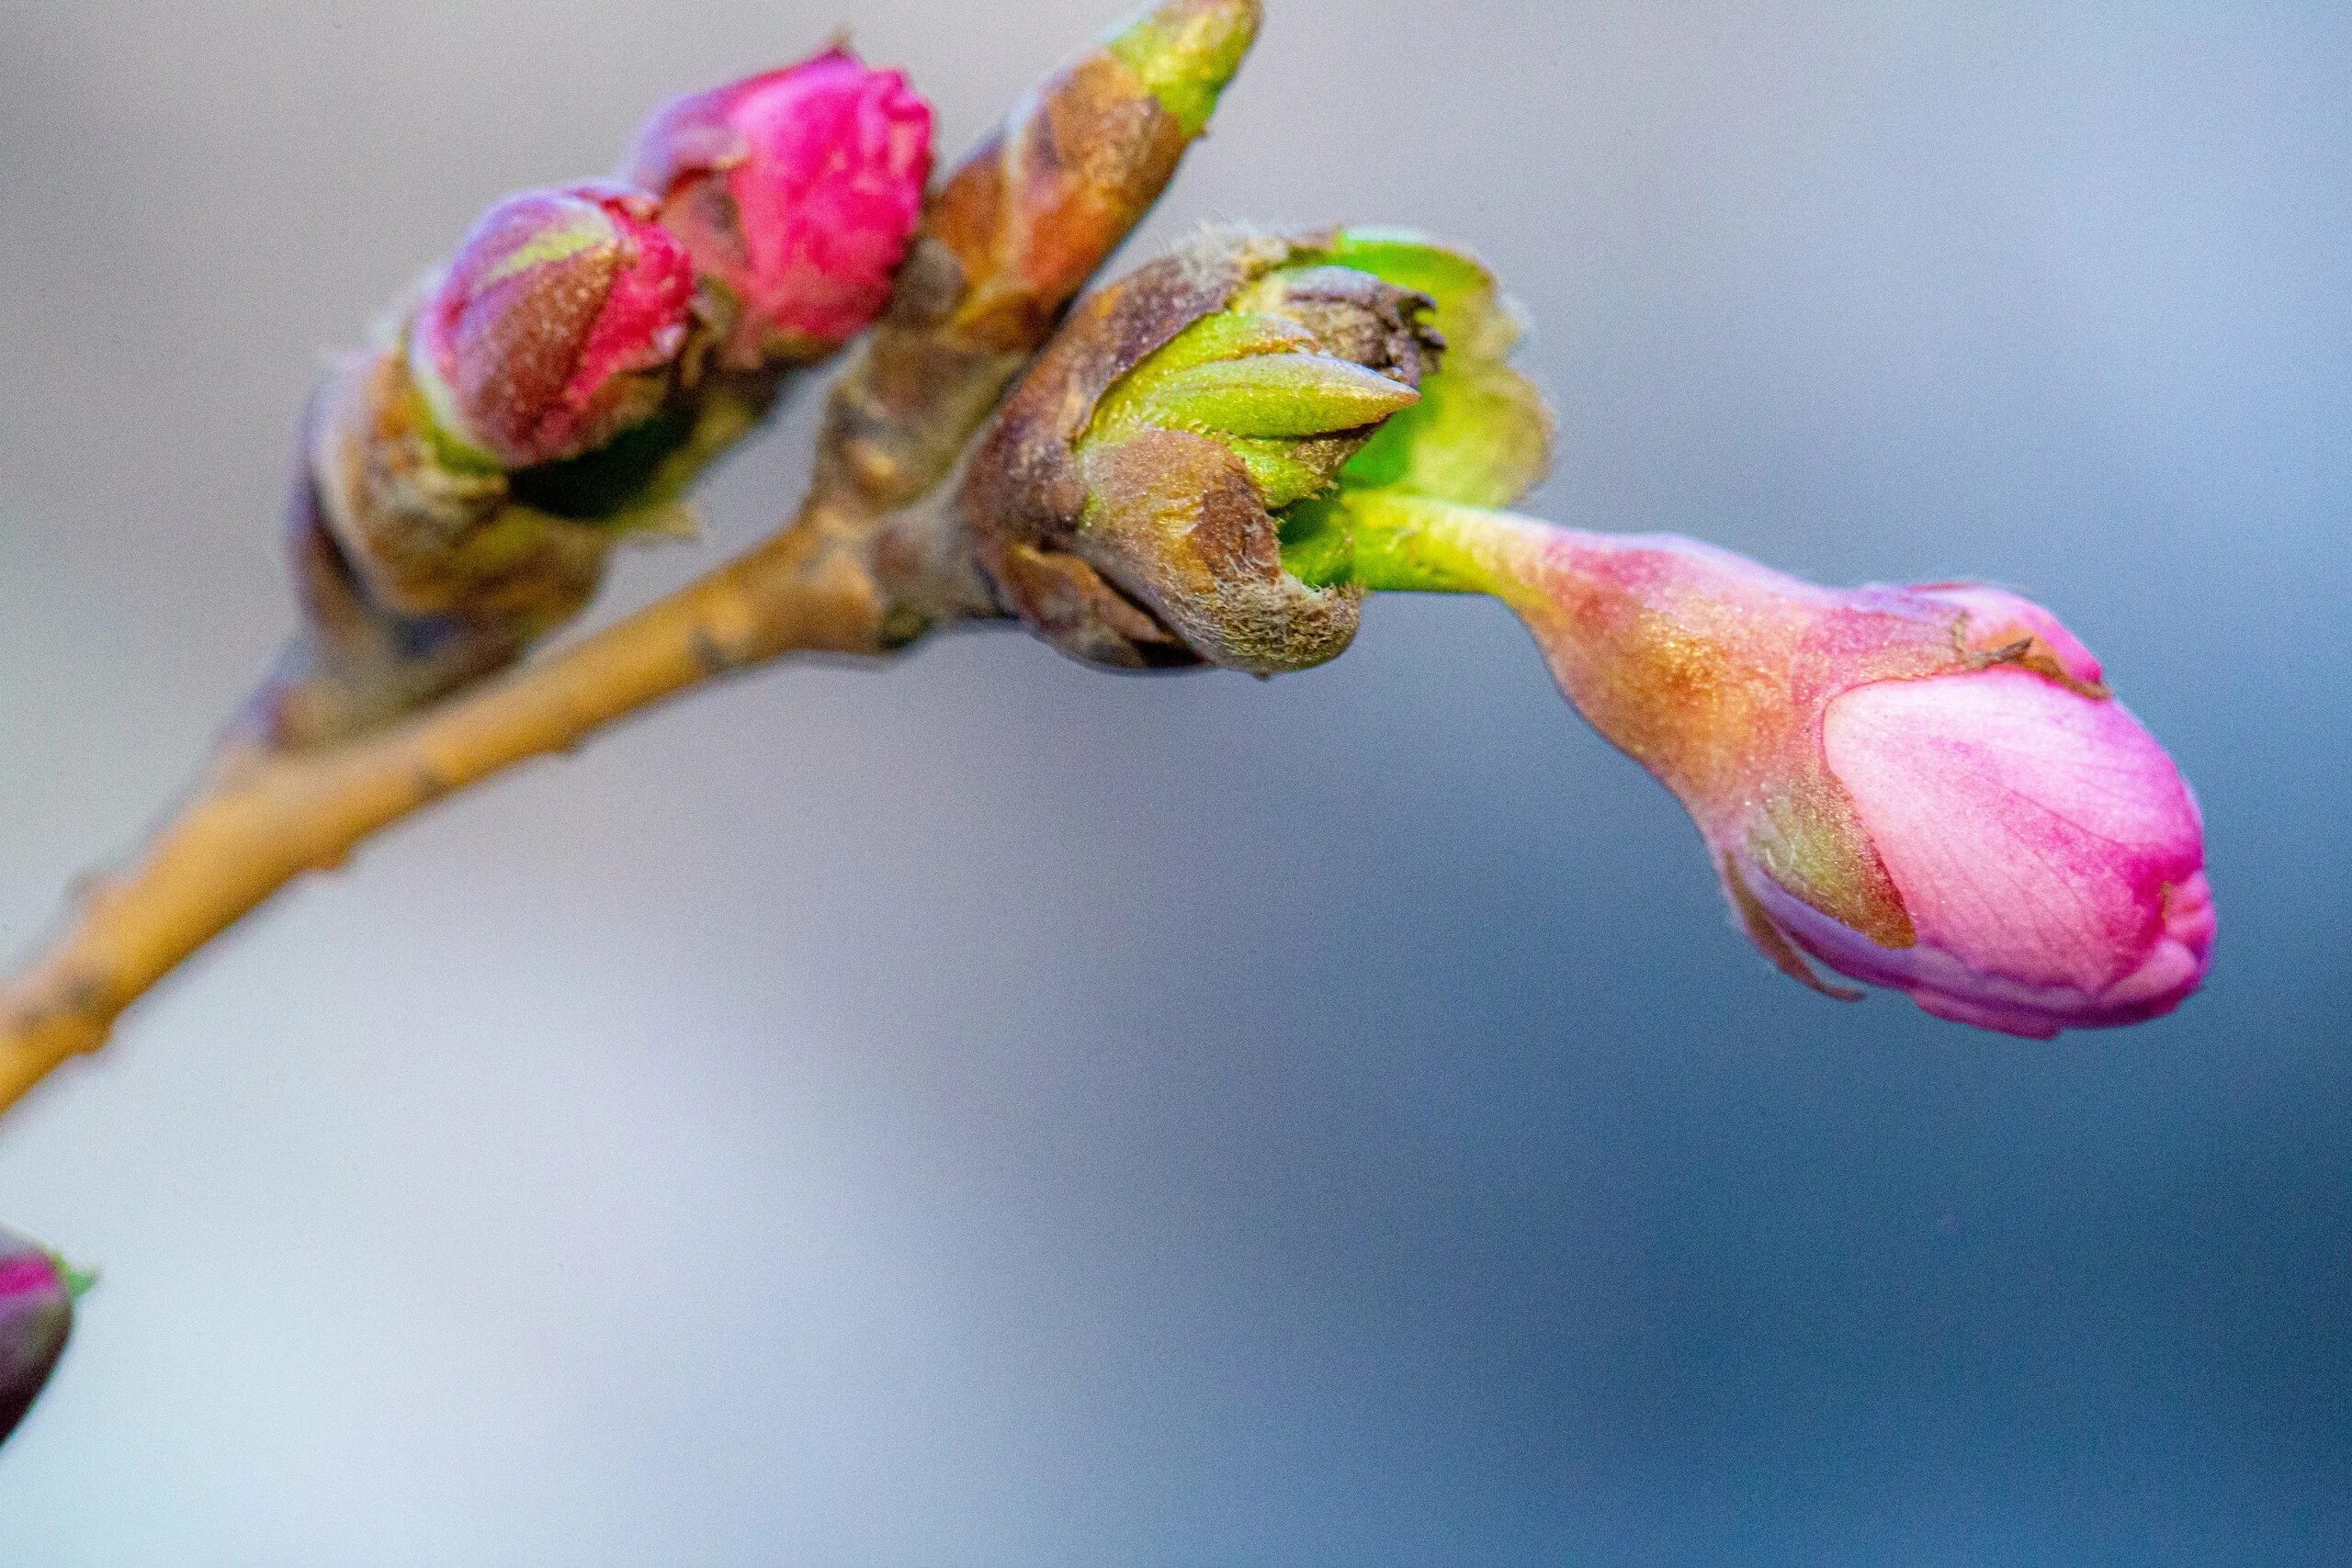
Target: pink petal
[2047,848]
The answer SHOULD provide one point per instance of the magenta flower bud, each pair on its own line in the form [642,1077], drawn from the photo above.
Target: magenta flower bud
[1923,788]
[797,190]
[557,326]
[36,1316]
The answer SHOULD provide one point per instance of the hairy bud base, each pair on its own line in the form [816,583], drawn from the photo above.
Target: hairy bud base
[1133,503]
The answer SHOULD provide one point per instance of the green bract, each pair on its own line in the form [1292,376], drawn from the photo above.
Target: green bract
[1259,381]
[1481,434]
[1177,480]
[1186,54]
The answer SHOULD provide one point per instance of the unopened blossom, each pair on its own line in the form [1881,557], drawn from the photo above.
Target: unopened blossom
[2048,854]
[35,1316]
[556,326]
[796,192]
[1926,788]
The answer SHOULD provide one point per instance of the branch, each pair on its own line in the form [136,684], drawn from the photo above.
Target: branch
[878,554]
[264,817]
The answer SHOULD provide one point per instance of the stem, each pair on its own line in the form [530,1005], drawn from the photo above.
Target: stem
[265,817]
[1400,543]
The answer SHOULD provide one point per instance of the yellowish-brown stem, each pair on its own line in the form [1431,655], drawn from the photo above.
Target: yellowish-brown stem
[264,817]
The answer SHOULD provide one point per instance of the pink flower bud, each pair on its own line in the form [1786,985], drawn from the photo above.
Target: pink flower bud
[36,1316]
[1923,788]
[554,328]
[799,190]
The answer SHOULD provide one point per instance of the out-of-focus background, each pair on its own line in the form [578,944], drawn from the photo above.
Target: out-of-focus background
[988,1113]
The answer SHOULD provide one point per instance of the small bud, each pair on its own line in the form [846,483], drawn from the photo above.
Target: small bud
[1923,788]
[36,1295]
[1017,229]
[1131,500]
[555,328]
[796,192]
[1186,52]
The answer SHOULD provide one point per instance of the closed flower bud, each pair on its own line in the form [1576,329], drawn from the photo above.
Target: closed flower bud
[1134,499]
[1924,788]
[556,327]
[36,1295]
[796,192]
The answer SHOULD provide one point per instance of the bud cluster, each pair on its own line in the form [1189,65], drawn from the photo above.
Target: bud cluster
[556,387]
[1212,462]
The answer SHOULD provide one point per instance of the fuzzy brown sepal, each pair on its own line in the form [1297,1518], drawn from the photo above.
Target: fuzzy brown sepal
[427,537]
[420,573]
[356,664]
[1158,549]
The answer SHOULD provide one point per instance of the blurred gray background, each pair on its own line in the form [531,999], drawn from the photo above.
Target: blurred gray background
[986,1112]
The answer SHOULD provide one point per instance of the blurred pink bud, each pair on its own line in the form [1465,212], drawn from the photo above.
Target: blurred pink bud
[35,1316]
[555,327]
[797,189]
[1923,788]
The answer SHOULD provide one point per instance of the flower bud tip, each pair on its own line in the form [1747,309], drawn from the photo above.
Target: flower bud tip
[796,192]
[79,1282]
[1187,52]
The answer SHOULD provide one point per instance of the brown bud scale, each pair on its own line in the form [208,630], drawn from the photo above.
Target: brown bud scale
[1165,526]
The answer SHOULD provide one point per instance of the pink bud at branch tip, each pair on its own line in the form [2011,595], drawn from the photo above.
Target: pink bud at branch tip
[797,190]
[555,327]
[1924,788]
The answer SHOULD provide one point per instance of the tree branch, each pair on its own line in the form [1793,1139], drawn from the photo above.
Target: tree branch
[264,817]
[878,554]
